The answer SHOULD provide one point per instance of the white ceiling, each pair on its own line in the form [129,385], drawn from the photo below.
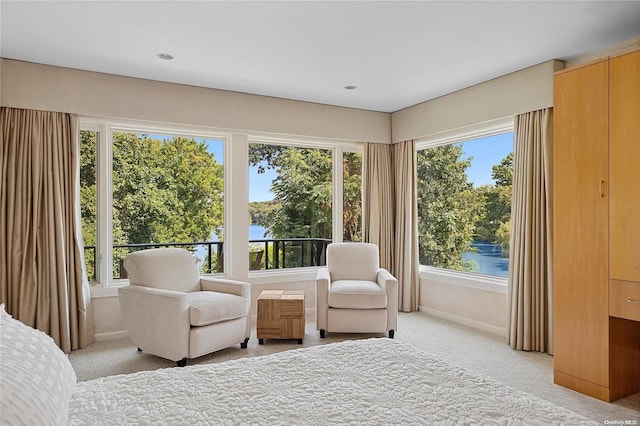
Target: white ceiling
[397,53]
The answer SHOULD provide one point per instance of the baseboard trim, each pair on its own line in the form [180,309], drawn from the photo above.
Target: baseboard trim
[464,321]
[112,335]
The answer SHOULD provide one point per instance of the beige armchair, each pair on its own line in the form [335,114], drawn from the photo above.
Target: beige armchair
[172,312]
[355,295]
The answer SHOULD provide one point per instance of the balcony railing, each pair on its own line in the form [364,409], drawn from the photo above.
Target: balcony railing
[276,253]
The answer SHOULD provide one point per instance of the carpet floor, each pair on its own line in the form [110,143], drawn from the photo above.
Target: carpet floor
[472,349]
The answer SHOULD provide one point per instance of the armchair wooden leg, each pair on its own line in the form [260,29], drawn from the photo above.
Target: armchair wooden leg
[244,344]
[391,334]
[182,362]
[322,334]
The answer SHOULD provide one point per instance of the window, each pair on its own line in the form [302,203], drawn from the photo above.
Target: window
[145,186]
[297,195]
[89,198]
[464,203]
[291,196]
[352,196]
[163,191]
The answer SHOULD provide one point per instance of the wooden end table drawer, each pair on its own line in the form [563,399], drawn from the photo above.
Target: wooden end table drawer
[624,299]
[280,315]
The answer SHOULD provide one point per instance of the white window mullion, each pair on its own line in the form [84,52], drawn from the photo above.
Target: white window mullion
[104,236]
[338,191]
[236,207]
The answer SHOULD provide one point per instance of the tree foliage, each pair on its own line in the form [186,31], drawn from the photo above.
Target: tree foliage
[449,207]
[453,213]
[495,225]
[88,195]
[303,188]
[259,211]
[352,197]
[167,190]
[163,191]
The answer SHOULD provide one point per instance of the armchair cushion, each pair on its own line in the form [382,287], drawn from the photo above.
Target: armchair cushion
[357,294]
[164,268]
[342,259]
[209,307]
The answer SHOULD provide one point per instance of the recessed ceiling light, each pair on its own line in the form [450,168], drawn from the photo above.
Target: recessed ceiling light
[165,56]
[350,87]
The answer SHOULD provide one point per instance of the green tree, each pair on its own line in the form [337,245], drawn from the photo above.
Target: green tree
[497,204]
[165,190]
[503,173]
[259,211]
[449,207]
[503,237]
[303,187]
[88,194]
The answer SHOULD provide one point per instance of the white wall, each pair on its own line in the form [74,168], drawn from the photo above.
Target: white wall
[526,90]
[616,49]
[465,300]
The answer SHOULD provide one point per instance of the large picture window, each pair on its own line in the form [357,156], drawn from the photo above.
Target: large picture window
[165,191]
[292,208]
[150,187]
[464,204]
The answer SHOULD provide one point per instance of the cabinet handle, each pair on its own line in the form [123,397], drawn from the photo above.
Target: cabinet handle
[601,189]
[633,301]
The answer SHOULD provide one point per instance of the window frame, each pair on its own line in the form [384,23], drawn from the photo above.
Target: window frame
[104,167]
[105,285]
[462,278]
[337,148]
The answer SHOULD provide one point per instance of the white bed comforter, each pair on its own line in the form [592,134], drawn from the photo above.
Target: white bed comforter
[374,381]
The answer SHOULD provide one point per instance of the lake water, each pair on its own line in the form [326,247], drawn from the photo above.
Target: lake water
[488,259]
[257,232]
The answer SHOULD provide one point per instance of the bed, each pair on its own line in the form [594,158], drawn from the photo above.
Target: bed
[373,381]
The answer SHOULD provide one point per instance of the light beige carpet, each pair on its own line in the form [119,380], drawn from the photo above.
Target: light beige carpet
[474,350]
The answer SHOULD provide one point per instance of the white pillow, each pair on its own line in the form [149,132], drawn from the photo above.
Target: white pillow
[36,377]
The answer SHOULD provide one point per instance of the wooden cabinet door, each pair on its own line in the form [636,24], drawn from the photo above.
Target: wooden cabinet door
[580,225]
[624,167]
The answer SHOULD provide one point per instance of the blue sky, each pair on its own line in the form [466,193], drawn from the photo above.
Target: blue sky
[259,184]
[486,152]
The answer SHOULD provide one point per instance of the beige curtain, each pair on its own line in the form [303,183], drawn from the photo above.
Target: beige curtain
[530,316]
[390,217]
[378,200]
[406,226]
[42,279]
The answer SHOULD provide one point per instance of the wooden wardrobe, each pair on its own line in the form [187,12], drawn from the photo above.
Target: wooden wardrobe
[596,227]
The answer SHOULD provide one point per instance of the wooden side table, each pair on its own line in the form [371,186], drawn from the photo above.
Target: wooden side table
[280,315]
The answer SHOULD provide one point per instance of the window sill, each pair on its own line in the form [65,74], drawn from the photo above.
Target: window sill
[99,291]
[465,279]
[283,275]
